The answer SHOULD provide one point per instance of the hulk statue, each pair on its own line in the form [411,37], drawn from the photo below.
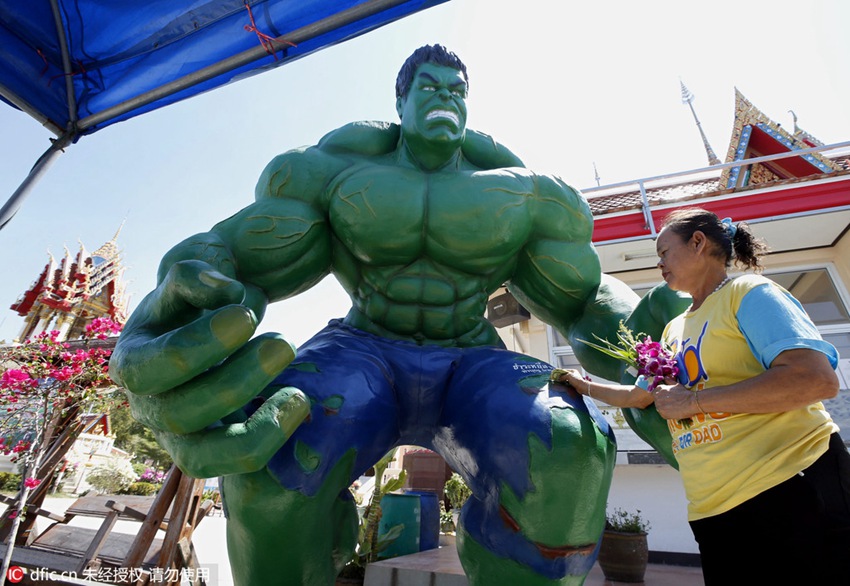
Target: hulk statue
[420,222]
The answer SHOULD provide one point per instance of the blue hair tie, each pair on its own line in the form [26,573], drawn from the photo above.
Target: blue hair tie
[729,227]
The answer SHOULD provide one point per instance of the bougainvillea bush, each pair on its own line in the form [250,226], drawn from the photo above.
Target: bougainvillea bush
[45,386]
[43,378]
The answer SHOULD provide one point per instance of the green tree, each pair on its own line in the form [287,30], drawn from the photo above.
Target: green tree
[112,477]
[131,436]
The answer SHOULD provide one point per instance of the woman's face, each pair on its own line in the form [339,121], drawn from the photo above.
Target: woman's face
[677,260]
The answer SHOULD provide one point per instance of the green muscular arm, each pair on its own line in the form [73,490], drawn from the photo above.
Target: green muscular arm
[559,279]
[186,354]
[655,309]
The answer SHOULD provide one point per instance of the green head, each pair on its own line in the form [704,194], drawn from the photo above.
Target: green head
[431,103]
[436,54]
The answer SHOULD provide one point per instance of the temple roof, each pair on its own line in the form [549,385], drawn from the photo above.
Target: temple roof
[753,135]
[80,283]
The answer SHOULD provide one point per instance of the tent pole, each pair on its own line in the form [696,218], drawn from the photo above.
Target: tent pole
[66,63]
[27,108]
[11,207]
[353,14]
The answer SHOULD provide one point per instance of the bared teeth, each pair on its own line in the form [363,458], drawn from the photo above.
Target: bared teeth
[443,114]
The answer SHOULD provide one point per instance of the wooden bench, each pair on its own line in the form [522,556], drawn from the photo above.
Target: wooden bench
[127,506]
[176,509]
[77,541]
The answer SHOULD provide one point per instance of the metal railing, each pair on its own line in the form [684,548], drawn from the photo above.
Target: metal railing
[601,191]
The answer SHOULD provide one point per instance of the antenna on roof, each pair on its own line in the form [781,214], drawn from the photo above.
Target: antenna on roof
[596,174]
[688,98]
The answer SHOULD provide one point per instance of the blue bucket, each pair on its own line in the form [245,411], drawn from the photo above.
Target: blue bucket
[400,509]
[429,521]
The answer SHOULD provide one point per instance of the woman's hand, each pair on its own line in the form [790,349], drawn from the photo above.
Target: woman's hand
[796,378]
[675,401]
[572,378]
[614,395]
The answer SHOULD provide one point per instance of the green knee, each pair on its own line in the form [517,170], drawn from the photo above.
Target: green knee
[570,480]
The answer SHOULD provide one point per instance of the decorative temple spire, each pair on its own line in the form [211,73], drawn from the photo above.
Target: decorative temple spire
[69,294]
[801,134]
[688,98]
[794,117]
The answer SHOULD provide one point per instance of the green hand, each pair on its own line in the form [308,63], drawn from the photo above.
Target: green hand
[186,358]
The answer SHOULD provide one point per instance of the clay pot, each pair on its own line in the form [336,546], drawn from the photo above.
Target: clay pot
[623,556]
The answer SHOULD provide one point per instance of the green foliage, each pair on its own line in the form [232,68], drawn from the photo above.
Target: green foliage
[447,522]
[625,349]
[457,491]
[131,436]
[211,494]
[625,522]
[112,477]
[141,489]
[369,543]
[9,481]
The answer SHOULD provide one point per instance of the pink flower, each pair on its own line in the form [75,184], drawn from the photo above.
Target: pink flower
[651,360]
[21,446]
[17,380]
[63,373]
[101,327]
[32,482]
[14,375]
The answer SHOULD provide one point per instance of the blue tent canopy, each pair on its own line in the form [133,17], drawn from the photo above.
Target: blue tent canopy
[78,66]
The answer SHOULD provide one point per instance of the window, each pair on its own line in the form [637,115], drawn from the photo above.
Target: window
[821,299]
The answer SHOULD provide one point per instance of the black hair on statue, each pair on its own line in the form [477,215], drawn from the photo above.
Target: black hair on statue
[436,54]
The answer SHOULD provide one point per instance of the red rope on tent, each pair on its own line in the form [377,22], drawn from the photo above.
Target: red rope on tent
[265,40]
[82,71]
[46,64]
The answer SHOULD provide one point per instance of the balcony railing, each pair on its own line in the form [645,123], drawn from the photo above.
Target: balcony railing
[700,174]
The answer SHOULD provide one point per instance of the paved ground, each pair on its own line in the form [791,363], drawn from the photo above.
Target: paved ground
[210,544]
[442,568]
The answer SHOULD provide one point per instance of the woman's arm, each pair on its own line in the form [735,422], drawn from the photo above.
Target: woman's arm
[614,395]
[796,378]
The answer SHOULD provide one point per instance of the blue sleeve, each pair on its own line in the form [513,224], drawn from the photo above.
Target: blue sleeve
[773,321]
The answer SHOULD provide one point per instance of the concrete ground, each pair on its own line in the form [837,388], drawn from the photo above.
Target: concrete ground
[439,567]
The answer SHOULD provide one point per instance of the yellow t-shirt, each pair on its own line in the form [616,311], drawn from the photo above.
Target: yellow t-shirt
[726,459]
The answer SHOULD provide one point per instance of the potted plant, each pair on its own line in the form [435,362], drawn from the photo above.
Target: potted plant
[369,542]
[447,526]
[624,553]
[457,492]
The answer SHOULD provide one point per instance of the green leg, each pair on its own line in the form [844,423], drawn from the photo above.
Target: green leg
[483,567]
[281,537]
[554,528]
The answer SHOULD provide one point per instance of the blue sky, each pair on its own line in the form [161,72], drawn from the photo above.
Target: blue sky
[564,85]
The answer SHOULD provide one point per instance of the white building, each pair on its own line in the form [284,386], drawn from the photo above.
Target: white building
[795,193]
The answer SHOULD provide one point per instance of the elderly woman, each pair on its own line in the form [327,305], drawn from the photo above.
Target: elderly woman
[765,472]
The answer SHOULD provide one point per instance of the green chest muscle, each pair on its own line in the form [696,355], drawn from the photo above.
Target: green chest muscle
[393,216]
